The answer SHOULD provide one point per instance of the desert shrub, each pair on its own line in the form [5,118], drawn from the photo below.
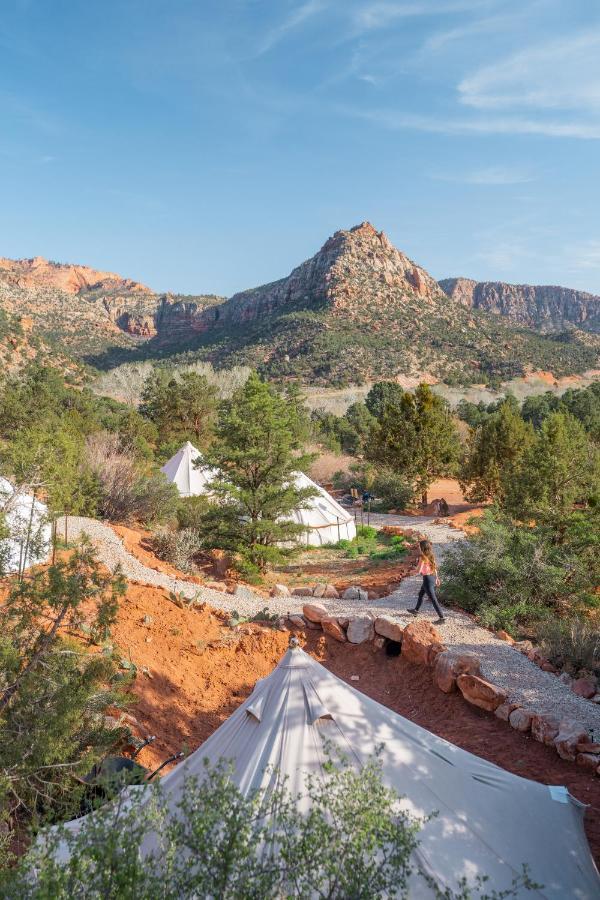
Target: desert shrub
[126,494]
[391,490]
[177,547]
[509,574]
[572,644]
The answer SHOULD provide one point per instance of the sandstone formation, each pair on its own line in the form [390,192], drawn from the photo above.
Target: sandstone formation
[331,626]
[314,612]
[545,307]
[389,628]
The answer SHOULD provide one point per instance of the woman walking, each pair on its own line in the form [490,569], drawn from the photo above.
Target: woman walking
[427,567]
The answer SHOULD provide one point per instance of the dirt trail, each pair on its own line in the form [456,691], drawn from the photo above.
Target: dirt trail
[524,682]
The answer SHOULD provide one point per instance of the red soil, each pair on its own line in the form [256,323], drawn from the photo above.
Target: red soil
[201,670]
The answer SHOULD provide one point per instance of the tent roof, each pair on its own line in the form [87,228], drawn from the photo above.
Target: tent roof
[180,470]
[321,510]
[489,821]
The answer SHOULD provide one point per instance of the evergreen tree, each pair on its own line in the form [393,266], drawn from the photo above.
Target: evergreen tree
[256,453]
[182,407]
[494,448]
[382,393]
[53,693]
[417,438]
[560,468]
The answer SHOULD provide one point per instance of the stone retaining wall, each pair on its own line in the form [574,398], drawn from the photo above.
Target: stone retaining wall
[454,671]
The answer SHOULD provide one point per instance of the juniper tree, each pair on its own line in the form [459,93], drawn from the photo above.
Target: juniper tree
[256,454]
[417,438]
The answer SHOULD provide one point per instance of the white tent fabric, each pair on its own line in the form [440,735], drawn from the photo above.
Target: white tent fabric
[28,525]
[489,822]
[181,471]
[325,520]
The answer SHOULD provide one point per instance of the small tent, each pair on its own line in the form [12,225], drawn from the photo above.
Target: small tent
[489,822]
[326,522]
[182,472]
[29,530]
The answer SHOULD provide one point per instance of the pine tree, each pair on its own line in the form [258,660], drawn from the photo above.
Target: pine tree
[182,407]
[494,449]
[256,453]
[417,438]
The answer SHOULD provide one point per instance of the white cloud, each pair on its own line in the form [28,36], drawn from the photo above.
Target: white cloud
[380,13]
[584,130]
[295,20]
[492,175]
[559,74]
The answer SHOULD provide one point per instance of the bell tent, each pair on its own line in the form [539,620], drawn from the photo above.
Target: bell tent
[29,530]
[325,521]
[183,473]
[488,822]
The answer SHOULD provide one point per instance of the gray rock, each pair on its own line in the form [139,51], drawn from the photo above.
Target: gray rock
[319,590]
[280,590]
[355,593]
[360,629]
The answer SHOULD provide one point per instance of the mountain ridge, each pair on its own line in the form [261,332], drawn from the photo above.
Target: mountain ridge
[357,309]
[547,307]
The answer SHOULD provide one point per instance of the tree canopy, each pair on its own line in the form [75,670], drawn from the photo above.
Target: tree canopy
[256,452]
[416,437]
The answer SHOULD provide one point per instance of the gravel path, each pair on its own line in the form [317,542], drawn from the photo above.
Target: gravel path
[500,663]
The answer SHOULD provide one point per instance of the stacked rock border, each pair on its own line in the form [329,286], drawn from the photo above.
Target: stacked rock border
[422,644]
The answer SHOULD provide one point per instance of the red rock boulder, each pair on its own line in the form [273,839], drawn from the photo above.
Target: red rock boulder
[331,626]
[417,639]
[314,612]
[589,761]
[545,728]
[584,687]
[480,692]
[570,735]
[450,664]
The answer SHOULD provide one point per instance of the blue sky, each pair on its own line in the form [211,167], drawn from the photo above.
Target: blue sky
[210,146]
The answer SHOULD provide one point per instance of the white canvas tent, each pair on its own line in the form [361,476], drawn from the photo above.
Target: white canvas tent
[182,472]
[489,822]
[326,522]
[29,528]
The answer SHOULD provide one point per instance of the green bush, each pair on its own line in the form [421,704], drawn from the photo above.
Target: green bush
[510,574]
[391,490]
[355,843]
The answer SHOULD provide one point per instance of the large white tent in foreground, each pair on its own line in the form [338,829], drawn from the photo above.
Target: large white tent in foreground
[489,822]
[326,522]
[29,530]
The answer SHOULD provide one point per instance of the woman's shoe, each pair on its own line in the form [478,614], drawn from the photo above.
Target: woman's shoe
[439,621]
[413,612]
